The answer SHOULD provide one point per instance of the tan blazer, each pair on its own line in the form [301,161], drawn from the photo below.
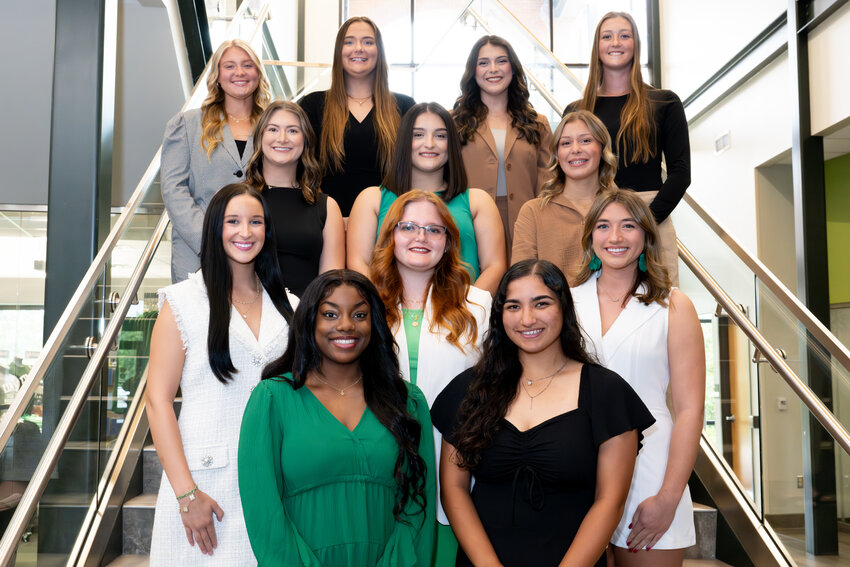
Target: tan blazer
[525,165]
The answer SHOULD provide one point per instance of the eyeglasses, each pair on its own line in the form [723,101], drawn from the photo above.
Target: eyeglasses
[409,228]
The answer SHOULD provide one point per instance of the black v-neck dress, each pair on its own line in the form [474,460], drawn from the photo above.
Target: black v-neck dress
[533,488]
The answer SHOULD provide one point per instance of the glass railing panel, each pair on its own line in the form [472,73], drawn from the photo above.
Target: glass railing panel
[290,82]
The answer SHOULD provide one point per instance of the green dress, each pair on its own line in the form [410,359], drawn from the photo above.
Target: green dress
[462,215]
[318,495]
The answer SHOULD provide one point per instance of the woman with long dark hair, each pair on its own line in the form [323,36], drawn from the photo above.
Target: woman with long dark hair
[437,317]
[651,335]
[214,333]
[308,224]
[645,124]
[505,142]
[356,120]
[337,456]
[206,148]
[549,436]
[428,157]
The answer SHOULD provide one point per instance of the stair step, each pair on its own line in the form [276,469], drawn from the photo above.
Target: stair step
[131,561]
[151,470]
[137,525]
[705,524]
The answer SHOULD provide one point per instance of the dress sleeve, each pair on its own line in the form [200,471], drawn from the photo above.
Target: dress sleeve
[614,407]
[446,406]
[543,154]
[186,216]
[525,233]
[404,103]
[273,538]
[677,154]
[412,541]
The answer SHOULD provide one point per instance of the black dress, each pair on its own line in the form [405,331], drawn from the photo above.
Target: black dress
[362,166]
[533,488]
[298,230]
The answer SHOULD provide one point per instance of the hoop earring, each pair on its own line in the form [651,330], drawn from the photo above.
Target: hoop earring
[642,262]
[595,263]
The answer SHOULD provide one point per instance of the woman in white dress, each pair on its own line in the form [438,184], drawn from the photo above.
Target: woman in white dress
[648,333]
[214,334]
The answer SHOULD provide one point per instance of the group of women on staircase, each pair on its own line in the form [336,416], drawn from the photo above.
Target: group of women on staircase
[365,379]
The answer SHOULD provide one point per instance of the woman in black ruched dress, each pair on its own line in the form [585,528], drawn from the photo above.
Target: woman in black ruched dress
[550,437]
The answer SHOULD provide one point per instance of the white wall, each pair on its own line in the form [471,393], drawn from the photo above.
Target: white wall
[829,78]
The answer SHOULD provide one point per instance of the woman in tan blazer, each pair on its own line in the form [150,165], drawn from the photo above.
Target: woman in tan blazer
[505,142]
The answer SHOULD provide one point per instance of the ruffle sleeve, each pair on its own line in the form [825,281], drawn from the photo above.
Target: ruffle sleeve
[614,406]
[445,409]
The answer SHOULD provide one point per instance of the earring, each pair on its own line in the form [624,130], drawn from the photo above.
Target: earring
[595,263]
[642,262]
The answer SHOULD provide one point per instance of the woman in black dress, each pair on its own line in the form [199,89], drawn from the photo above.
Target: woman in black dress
[550,437]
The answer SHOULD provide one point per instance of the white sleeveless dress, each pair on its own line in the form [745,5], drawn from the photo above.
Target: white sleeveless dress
[635,347]
[210,419]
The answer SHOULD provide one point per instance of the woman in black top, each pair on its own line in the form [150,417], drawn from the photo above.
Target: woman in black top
[550,437]
[309,234]
[356,120]
[643,122]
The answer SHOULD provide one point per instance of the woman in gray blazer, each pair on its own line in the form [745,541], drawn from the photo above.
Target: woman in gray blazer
[207,148]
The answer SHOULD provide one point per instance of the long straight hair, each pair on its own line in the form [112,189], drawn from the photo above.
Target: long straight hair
[398,180]
[214,117]
[383,386]
[308,173]
[449,282]
[335,116]
[218,277]
[469,112]
[636,138]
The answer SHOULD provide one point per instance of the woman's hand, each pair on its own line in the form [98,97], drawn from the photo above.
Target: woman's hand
[651,521]
[198,521]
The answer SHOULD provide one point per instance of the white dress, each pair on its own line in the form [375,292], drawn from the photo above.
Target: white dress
[210,419]
[635,347]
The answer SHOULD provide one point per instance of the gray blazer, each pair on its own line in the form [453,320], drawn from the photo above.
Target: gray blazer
[189,180]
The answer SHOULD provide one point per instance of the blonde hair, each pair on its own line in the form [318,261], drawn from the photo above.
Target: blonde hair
[655,278]
[554,185]
[335,115]
[214,117]
[636,137]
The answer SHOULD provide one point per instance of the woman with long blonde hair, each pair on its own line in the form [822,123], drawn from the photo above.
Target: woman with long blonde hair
[582,165]
[438,319]
[209,147]
[309,233]
[645,124]
[357,118]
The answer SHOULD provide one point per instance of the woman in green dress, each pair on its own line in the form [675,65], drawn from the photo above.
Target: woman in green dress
[336,454]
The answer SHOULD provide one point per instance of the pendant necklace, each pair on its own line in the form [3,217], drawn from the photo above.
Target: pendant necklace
[414,316]
[237,120]
[359,101]
[341,391]
[528,382]
[256,295]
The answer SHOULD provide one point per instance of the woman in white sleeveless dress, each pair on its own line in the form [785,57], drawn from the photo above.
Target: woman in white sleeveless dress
[214,334]
[650,335]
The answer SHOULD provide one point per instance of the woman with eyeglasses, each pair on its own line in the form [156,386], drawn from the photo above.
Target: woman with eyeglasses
[428,157]
[438,319]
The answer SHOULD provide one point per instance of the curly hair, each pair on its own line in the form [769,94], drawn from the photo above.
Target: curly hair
[655,278]
[469,112]
[449,283]
[495,377]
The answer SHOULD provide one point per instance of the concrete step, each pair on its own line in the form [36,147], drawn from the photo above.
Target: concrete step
[151,470]
[137,524]
[705,524]
[131,561]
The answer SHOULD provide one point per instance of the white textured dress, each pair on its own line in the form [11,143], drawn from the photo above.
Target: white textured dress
[210,420]
[635,347]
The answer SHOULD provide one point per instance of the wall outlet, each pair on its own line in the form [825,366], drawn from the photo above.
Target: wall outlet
[782,404]
[799,481]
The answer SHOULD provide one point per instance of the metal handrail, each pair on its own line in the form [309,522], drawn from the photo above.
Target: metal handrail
[809,398]
[835,347]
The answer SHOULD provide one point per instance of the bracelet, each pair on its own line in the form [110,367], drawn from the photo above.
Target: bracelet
[185,509]
[190,493]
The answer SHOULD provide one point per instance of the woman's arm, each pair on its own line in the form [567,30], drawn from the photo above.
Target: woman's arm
[164,372]
[463,517]
[333,239]
[525,233]
[687,384]
[363,230]
[186,216]
[490,238]
[677,157]
[615,464]
[543,154]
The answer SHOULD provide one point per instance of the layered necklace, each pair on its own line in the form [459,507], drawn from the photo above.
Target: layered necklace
[359,101]
[414,312]
[251,302]
[237,120]
[526,382]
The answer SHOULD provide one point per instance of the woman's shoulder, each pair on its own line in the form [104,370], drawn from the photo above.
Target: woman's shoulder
[313,102]
[404,102]
[479,296]
[187,119]
[415,397]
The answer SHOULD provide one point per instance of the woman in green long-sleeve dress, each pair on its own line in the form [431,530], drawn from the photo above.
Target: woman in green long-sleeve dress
[326,434]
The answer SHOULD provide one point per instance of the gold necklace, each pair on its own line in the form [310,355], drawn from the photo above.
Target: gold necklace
[256,295]
[411,313]
[340,390]
[359,101]
[608,297]
[530,382]
[237,120]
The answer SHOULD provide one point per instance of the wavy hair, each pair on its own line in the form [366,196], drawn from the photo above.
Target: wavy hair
[469,112]
[655,278]
[383,386]
[449,283]
[308,173]
[218,277]
[335,115]
[554,185]
[636,137]
[214,117]
[454,172]
[496,375]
